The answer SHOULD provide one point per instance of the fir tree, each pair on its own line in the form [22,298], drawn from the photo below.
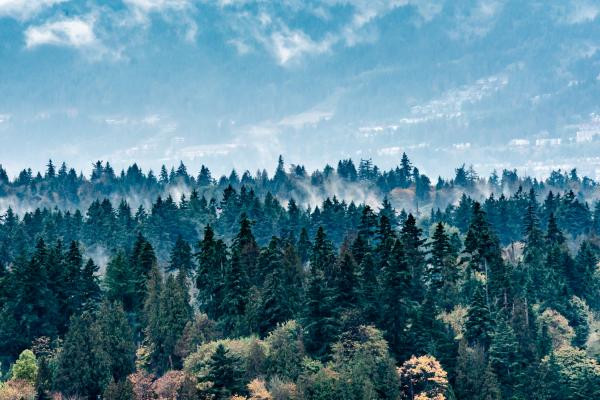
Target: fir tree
[396,304]
[224,374]
[478,326]
[83,367]
[115,338]
[181,257]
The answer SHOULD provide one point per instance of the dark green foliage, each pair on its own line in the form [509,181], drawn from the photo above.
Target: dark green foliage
[83,365]
[256,271]
[116,339]
[225,374]
[396,304]
[181,257]
[121,390]
[478,326]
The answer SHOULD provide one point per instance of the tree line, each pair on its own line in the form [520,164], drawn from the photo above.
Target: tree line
[484,300]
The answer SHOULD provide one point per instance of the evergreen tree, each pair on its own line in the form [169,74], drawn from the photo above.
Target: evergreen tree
[319,316]
[478,326]
[224,374]
[396,303]
[175,312]
[236,285]
[181,257]
[505,358]
[275,305]
[115,338]
[346,284]
[121,282]
[368,290]
[83,367]
[415,257]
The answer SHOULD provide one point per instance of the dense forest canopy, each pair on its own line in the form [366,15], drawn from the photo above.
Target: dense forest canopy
[350,282]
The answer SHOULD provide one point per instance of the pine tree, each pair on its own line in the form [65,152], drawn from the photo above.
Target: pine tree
[275,302]
[304,246]
[553,233]
[478,326]
[396,303]
[505,358]
[224,374]
[89,289]
[415,257]
[245,244]
[115,338]
[175,312]
[232,309]
[83,367]
[181,257]
[346,284]
[319,316]
[583,278]
[211,263]
[443,273]
[120,282]
[33,306]
[368,290]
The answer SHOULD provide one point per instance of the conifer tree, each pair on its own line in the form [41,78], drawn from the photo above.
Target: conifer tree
[415,257]
[346,284]
[175,312]
[83,367]
[115,338]
[505,358]
[89,289]
[181,257]
[319,316]
[583,278]
[478,326]
[120,282]
[236,285]
[211,262]
[304,246]
[224,374]
[153,329]
[245,244]
[396,304]
[275,301]
[368,290]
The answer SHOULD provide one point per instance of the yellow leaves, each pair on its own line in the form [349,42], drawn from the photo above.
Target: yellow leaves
[258,390]
[558,328]
[17,390]
[423,378]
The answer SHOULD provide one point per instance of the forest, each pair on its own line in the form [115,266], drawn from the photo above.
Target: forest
[350,282]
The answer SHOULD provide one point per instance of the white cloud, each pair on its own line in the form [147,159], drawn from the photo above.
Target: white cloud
[548,142]
[291,44]
[4,118]
[270,24]
[312,117]
[192,152]
[519,142]
[174,11]
[462,146]
[588,131]
[451,104]
[74,32]
[477,21]
[24,9]
[580,11]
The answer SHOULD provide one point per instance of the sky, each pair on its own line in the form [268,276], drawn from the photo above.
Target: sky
[234,83]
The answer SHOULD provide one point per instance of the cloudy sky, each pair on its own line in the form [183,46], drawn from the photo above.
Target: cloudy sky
[235,83]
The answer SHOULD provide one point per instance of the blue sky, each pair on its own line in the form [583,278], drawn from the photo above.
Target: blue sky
[235,83]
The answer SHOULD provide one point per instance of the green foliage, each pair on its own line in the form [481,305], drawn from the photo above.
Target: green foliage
[25,368]
[225,376]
